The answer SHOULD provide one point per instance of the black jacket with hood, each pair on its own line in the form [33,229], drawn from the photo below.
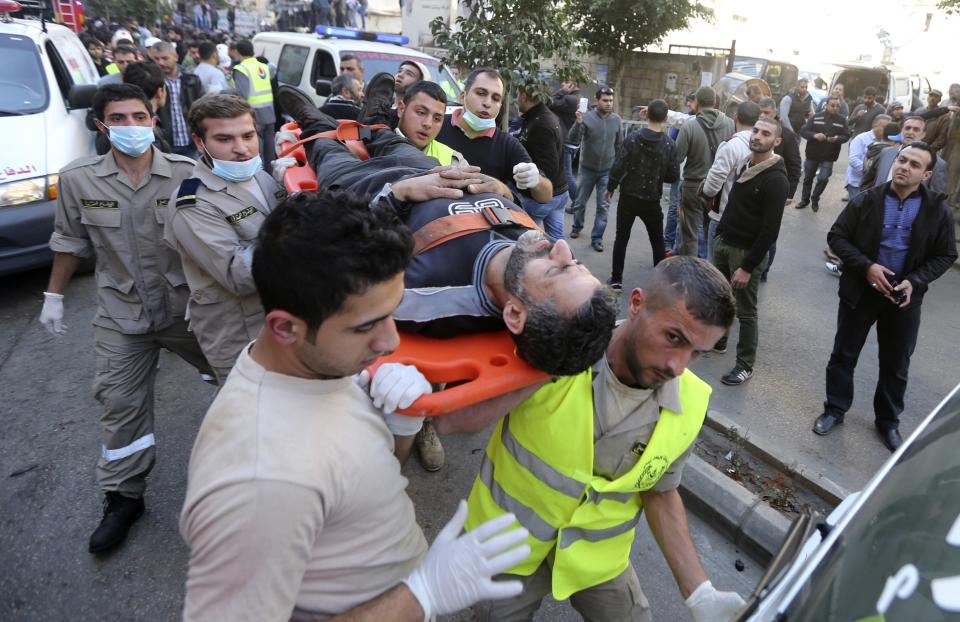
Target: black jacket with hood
[647,160]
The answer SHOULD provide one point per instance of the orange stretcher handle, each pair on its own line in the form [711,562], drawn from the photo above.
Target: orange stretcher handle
[299,178]
[486,363]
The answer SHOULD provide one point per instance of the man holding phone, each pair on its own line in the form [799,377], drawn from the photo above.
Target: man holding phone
[894,240]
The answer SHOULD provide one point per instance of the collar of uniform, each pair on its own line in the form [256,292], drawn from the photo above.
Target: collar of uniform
[666,395]
[456,119]
[480,267]
[203,172]
[159,166]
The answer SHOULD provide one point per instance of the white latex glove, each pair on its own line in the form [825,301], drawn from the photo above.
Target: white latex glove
[280,166]
[283,136]
[526,174]
[399,425]
[397,386]
[51,316]
[457,572]
[706,604]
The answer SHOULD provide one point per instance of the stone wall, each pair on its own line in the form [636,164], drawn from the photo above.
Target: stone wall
[650,76]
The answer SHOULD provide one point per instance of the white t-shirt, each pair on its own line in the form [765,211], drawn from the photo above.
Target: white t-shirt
[211,78]
[624,418]
[295,504]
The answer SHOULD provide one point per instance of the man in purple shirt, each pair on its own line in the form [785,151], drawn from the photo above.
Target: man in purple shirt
[894,240]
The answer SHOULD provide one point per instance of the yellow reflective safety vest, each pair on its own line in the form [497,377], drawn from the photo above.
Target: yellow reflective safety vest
[112,68]
[258,74]
[539,466]
[443,154]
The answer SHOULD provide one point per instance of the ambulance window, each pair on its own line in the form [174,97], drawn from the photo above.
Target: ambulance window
[23,87]
[323,67]
[59,68]
[293,59]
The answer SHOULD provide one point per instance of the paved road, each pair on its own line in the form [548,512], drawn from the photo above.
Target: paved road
[797,310]
[48,418]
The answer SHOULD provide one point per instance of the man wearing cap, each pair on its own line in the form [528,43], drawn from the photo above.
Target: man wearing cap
[933,102]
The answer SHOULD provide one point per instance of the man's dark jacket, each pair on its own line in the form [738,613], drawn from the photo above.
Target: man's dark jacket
[789,150]
[191,89]
[829,125]
[647,160]
[542,137]
[855,238]
[751,219]
[564,105]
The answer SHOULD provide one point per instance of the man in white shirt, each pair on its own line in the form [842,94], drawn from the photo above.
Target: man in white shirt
[295,506]
[858,152]
[208,69]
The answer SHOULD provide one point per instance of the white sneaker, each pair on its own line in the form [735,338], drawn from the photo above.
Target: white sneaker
[833,268]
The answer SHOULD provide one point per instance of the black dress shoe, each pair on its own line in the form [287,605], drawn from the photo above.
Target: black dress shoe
[825,424]
[119,514]
[298,105]
[891,437]
[378,98]
[802,204]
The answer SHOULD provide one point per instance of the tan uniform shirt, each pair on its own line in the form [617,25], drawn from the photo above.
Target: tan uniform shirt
[295,504]
[212,233]
[140,281]
[624,418]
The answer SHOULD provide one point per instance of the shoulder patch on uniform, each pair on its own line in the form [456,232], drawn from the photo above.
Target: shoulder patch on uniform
[99,204]
[187,194]
[238,216]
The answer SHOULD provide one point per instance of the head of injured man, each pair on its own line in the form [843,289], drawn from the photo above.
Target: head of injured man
[561,317]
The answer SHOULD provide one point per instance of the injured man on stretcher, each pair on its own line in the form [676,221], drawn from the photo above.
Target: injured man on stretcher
[480,263]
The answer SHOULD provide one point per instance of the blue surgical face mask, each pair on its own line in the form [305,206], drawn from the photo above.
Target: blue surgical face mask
[476,123]
[229,170]
[132,140]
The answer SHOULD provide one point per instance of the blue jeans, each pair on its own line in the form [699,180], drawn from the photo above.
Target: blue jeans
[822,171]
[549,215]
[671,231]
[568,153]
[712,238]
[588,181]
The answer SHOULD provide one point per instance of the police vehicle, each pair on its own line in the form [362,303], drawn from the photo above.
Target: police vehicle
[46,86]
[311,61]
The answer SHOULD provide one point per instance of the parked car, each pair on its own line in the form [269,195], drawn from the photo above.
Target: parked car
[731,90]
[889,552]
[780,76]
[310,62]
[892,84]
[46,86]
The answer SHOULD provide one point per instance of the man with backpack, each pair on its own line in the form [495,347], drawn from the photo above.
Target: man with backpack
[697,143]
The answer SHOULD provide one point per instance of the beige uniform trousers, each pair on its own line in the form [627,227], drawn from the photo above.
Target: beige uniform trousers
[618,600]
[126,370]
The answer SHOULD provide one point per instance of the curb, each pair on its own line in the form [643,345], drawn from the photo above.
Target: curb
[753,526]
[820,485]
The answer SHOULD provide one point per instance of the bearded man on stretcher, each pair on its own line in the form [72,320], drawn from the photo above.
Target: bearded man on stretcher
[480,263]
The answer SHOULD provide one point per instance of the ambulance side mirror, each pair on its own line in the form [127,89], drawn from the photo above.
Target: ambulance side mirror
[323,88]
[81,96]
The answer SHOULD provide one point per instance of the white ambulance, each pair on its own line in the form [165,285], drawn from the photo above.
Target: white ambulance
[47,83]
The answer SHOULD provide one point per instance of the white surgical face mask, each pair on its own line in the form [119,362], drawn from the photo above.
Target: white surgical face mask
[132,140]
[478,124]
[229,170]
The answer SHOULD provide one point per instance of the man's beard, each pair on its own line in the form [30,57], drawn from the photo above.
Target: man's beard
[522,254]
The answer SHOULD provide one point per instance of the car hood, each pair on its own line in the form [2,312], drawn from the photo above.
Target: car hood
[22,152]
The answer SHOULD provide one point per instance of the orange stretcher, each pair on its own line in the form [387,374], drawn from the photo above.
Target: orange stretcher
[485,364]
[302,178]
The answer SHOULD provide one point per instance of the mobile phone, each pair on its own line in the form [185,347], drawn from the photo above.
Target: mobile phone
[583,104]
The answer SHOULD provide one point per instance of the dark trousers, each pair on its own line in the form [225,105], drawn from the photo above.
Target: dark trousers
[628,209]
[896,337]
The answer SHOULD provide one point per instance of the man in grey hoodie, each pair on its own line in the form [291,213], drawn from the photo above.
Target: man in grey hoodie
[598,134]
[697,143]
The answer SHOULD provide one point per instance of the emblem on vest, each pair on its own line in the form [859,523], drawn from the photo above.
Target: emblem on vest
[472,207]
[652,471]
[244,213]
[96,204]
[162,203]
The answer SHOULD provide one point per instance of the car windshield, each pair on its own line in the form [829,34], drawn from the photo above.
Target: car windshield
[376,62]
[752,67]
[23,88]
[899,558]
